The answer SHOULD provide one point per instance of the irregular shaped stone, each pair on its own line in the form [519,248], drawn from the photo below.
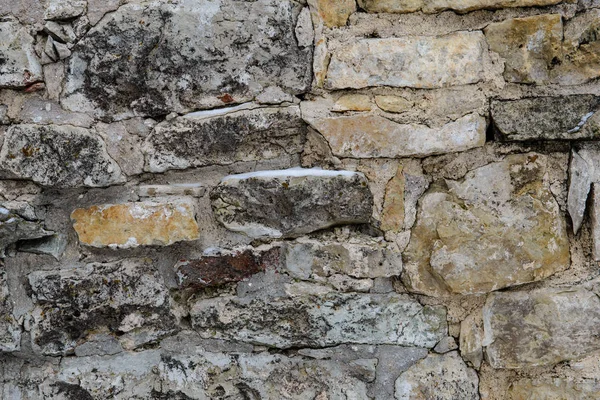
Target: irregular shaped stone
[554,389]
[10,329]
[529,46]
[373,136]
[445,345]
[126,298]
[353,102]
[471,339]
[561,117]
[123,147]
[334,13]
[581,175]
[540,327]
[14,228]
[439,376]
[225,136]
[136,224]
[61,156]
[498,227]
[53,245]
[290,203]
[393,104]
[19,65]
[392,218]
[321,320]
[64,9]
[436,6]
[225,268]
[427,62]
[124,67]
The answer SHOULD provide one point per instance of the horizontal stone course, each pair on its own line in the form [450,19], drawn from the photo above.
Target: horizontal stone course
[435,6]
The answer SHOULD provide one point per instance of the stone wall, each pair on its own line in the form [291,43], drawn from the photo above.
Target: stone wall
[299,199]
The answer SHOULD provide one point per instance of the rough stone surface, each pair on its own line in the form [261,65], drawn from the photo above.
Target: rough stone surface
[562,117]
[503,211]
[10,329]
[136,224]
[541,327]
[373,136]
[595,221]
[374,62]
[125,298]
[290,203]
[444,377]
[334,12]
[19,66]
[555,389]
[157,44]
[581,175]
[321,320]
[224,136]
[62,156]
[434,6]
[14,228]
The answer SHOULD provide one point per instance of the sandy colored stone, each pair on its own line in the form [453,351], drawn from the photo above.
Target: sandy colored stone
[540,327]
[471,339]
[530,46]
[435,6]
[500,226]
[393,104]
[392,218]
[554,389]
[373,136]
[136,224]
[427,62]
[334,12]
[353,102]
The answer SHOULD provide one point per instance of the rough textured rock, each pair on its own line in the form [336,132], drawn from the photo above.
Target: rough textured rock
[64,9]
[290,203]
[374,62]
[553,389]
[595,221]
[561,117]
[443,377]
[530,46]
[62,156]
[19,66]
[125,298]
[321,320]
[136,224]
[334,12]
[434,6]
[373,136]
[504,212]
[224,136]
[582,172]
[541,327]
[10,329]
[14,228]
[471,339]
[246,46]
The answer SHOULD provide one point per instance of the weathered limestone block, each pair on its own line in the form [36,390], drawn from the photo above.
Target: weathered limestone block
[136,224]
[435,6]
[321,320]
[290,203]
[64,9]
[334,12]
[419,62]
[125,298]
[61,156]
[19,66]
[13,228]
[530,46]
[498,227]
[438,376]
[224,136]
[374,136]
[225,268]
[561,117]
[10,329]
[393,104]
[540,327]
[353,102]
[150,59]
[554,389]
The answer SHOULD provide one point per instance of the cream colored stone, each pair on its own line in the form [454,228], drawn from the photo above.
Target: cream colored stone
[498,227]
[530,46]
[334,12]
[136,224]
[393,104]
[353,102]
[435,6]
[373,136]
[392,218]
[418,61]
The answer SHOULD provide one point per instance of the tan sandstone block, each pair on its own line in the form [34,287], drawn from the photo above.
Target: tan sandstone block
[334,12]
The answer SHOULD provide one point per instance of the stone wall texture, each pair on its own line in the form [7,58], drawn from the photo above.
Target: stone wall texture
[300,199]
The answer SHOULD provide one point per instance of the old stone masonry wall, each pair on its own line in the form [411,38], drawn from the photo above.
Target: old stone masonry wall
[300,199]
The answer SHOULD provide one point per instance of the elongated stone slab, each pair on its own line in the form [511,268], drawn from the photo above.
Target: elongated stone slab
[419,62]
[541,327]
[136,224]
[435,6]
[373,136]
[292,202]
[19,66]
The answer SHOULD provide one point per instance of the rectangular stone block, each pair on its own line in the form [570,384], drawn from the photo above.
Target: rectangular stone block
[136,224]
[415,61]
[435,6]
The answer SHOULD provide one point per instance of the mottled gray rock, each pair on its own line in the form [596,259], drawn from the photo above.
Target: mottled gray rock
[582,172]
[440,377]
[53,245]
[547,118]
[19,66]
[10,329]
[224,136]
[445,345]
[39,111]
[290,203]
[64,9]
[323,319]
[541,327]
[14,228]
[124,298]
[123,147]
[595,220]
[153,58]
[61,156]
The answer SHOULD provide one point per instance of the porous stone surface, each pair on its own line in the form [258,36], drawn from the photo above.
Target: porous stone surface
[19,65]
[302,201]
[503,211]
[136,224]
